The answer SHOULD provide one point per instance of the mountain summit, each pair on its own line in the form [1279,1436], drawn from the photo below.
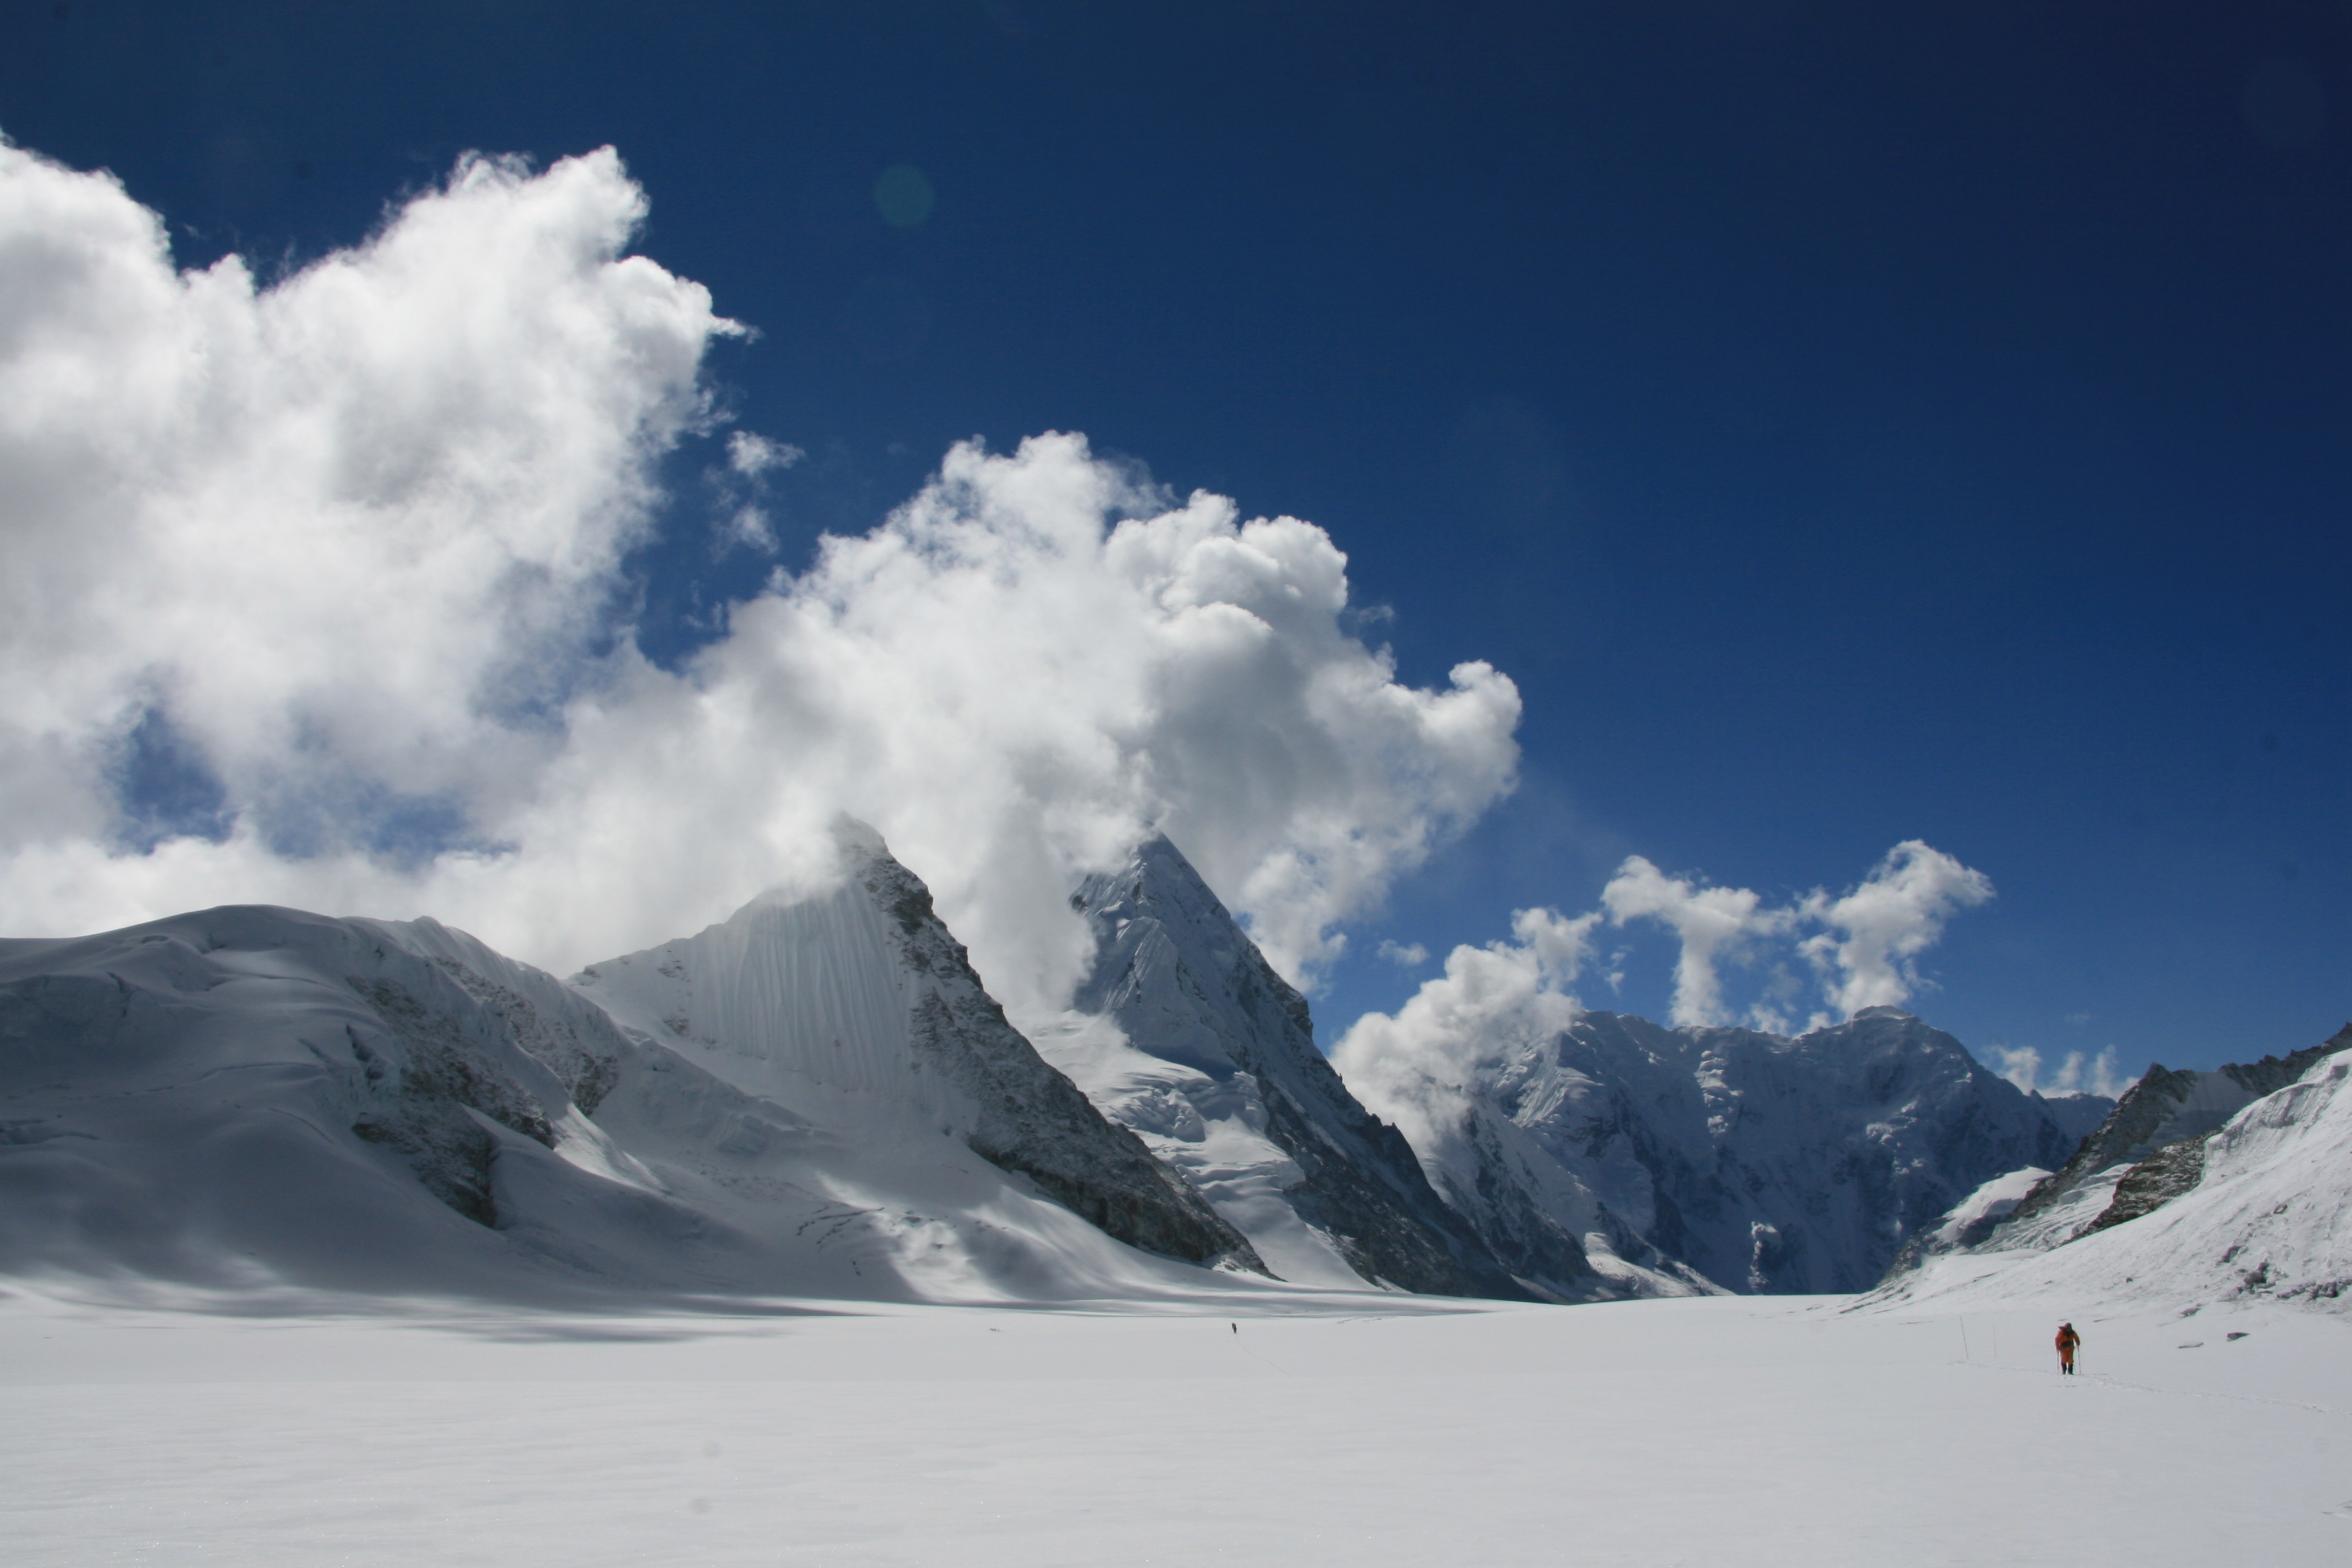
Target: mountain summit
[1184,1033]
[859,1010]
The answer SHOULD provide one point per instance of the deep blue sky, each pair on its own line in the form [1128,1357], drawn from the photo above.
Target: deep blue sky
[1846,421]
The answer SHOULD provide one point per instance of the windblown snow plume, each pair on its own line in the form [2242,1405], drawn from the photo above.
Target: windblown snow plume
[312,591]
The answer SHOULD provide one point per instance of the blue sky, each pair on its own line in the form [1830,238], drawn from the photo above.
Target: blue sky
[1845,423]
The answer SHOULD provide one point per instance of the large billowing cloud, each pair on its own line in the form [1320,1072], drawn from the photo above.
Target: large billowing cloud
[347,535]
[347,551]
[1875,932]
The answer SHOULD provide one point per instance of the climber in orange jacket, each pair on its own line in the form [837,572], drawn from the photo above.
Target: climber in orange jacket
[2067,1339]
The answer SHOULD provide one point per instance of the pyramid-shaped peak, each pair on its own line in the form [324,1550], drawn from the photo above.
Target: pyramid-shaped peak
[1157,876]
[1207,1021]
[1154,860]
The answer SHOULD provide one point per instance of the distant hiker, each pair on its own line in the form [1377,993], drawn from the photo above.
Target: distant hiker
[1236,1328]
[2067,1339]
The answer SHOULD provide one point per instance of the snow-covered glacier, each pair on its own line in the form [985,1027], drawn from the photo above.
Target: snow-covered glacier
[1184,1033]
[814,1098]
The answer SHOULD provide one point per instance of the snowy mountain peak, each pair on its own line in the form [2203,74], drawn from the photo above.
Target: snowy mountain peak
[858,1008]
[814,1097]
[860,843]
[1184,1033]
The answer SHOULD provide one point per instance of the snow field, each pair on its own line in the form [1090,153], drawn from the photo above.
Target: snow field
[1355,1431]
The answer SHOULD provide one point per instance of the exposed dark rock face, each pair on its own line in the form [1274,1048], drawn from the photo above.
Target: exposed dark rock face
[417,1098]
[586,1061]
[2153,1182]
[1177,974]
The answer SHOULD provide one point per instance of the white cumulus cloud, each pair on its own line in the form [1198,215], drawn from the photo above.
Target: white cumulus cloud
[1416,1067]
[1877,931]
[1712,924]
[753,456]
[352,542]
[2076,1074]
[348,532]
[1863,948]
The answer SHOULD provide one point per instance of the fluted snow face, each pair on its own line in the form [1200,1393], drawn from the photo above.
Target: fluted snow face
[858,1010]
[805,1003]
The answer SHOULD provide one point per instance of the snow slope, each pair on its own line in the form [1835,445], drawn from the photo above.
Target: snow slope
[1727,1158]
[260,1101]
[1363,1434]
[1185,1034]
[2163,1107]
[2268,1219]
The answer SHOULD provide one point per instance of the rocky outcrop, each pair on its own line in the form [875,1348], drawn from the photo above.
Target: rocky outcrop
[2152,1182]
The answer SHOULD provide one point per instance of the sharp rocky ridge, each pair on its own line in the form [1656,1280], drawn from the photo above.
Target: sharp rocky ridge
[1184,1033]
